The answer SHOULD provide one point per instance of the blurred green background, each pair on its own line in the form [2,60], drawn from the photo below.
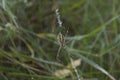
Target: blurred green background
[28,44]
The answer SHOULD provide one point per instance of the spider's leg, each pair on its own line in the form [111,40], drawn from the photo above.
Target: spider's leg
[58,53]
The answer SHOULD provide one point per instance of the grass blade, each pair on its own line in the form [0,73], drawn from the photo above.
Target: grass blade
[91,63]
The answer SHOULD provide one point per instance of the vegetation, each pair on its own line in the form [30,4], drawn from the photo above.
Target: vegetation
[28,40]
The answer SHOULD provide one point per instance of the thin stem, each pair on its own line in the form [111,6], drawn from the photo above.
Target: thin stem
[78,76]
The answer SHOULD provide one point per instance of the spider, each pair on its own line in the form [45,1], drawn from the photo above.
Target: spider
[61,41]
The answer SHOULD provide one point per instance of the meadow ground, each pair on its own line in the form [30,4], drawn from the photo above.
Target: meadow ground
[89,42]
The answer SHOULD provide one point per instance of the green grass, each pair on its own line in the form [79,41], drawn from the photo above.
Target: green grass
[28,44]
